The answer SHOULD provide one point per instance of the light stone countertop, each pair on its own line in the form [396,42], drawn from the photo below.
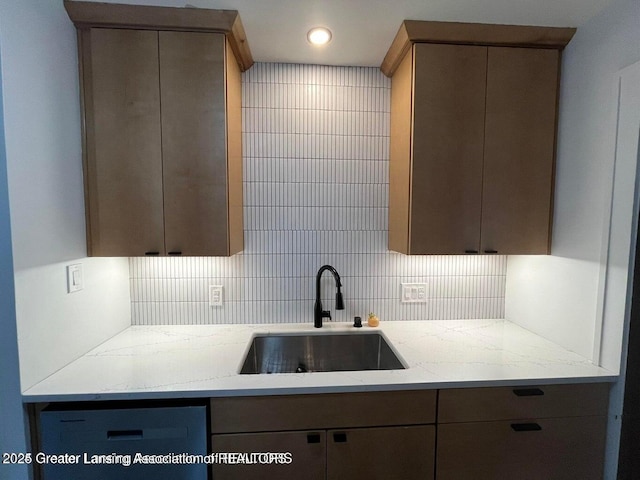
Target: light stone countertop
[149,362]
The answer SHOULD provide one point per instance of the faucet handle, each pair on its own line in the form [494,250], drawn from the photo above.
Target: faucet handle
[326,314]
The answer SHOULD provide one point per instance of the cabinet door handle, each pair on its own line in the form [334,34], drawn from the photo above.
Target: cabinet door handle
[528,392]
[340,437]
[313,438]
[471,252]
[175,253]
[493,252]
[526,427]
[152,253]
[124,435]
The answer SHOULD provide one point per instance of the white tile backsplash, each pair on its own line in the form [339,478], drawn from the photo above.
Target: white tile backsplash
[316,158]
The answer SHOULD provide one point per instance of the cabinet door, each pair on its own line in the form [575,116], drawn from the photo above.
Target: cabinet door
[448,137]
[192,80]
[550,449]
[522,86]
[381,453]
[123,163]
[234,151]
[306,460]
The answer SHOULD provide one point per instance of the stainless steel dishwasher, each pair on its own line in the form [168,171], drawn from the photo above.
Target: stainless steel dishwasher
[129,443]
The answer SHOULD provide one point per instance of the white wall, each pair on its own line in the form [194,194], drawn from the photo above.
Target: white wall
[558,296]
[12,433]
[620,264]
[43,147]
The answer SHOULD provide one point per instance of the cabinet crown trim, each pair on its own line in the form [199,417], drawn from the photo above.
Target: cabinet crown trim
[417,31]
[110,15]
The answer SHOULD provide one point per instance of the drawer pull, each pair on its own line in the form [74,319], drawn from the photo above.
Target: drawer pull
[526,427]
[340,437]
[492,252]
[175,253]
[152,254]
[528,392]
[313,438]
[471,252]
[124,435]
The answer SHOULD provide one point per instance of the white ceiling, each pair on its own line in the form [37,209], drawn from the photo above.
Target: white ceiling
[363,29]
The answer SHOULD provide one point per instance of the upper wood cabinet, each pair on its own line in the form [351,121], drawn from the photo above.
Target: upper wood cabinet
[473,131]
[162,129]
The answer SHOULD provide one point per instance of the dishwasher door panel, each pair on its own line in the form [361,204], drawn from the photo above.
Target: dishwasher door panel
[109,441]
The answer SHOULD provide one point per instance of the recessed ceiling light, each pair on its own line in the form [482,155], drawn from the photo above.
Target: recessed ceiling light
[319,36]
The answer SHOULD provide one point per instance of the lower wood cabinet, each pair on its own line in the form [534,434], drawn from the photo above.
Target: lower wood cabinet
[550,432]
[534,432]
[549,449]
[367,435]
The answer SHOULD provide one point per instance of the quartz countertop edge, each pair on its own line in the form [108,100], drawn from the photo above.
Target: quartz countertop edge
[195,361]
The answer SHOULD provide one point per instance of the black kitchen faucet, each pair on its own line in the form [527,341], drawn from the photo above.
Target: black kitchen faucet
[318,312]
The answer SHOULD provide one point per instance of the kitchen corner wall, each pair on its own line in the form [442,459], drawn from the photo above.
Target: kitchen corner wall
[561,297]
[44,169]
[316,150]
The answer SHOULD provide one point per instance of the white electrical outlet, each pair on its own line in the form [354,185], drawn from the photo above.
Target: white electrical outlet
[215,295]
[413,293]
[74,278]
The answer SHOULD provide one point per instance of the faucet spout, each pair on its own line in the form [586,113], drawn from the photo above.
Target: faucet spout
[318,312]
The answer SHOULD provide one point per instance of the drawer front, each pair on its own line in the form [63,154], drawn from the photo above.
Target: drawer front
[336,410]
[504,403]
[550,449]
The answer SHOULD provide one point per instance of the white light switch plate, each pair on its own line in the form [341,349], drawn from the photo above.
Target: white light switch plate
[215,295]
[413,293]
[75,282]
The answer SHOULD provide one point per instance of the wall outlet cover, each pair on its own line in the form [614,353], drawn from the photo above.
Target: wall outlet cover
[413,293]
[215,295]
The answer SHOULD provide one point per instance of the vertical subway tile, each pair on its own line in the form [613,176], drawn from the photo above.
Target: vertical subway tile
[316,151]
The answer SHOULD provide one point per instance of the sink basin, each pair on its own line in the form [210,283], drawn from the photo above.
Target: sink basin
[335,352]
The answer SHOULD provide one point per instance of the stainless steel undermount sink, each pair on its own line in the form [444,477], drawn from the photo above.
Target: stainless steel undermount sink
[333,352]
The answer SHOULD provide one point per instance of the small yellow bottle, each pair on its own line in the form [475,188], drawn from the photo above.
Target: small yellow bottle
[373,320]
